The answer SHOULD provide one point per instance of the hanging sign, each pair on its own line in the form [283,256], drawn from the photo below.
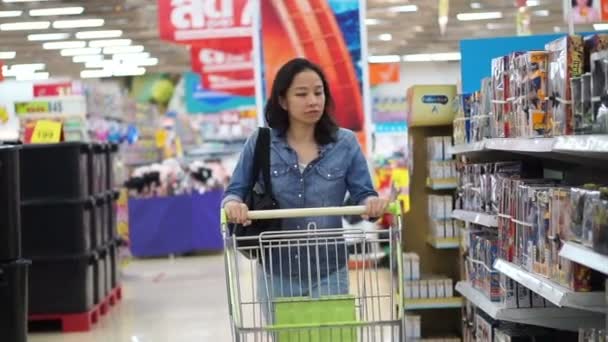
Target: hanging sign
[46,132]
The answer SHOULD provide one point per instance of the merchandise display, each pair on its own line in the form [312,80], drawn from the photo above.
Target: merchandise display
[429,288]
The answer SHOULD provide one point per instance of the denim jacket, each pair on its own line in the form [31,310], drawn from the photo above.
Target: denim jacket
[340,168]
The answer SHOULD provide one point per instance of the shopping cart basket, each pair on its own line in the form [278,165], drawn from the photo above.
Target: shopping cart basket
[316,285]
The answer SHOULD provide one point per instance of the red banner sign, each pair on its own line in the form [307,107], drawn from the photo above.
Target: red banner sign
[225,65]
[189,21]
[53,89]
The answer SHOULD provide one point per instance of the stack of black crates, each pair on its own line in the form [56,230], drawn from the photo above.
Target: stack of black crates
[13,269]
[69,226]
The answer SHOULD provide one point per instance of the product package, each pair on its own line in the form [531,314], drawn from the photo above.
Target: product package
[599,92]
[580,205]
[565,62]
[484,328]
[593,43]
[529,86]
[600,222]
[500,95]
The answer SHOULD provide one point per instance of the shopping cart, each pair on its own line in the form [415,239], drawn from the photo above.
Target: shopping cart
[316,285]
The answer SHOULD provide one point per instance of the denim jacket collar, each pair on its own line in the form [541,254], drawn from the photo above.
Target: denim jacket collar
[279,141]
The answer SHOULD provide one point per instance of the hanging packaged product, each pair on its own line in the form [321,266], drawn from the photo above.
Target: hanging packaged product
[600,222]
[593,43]
[565,62]
[599,92]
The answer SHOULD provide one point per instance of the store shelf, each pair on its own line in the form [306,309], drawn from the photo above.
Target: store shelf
[557,318]
[442,184]
[433,303]
[475,217]
[443,243]
[539,145]
[585,256]
[468,148]
[551,291]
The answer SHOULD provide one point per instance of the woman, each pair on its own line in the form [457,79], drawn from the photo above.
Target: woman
[313,164]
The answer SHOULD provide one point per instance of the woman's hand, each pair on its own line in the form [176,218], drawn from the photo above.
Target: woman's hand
[236,212]
[375,207]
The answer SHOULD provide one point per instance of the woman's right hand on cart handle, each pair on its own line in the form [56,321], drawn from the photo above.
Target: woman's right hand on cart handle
[237,212]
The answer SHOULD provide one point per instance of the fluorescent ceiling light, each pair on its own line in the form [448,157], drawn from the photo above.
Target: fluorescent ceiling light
[99,34]
[9,14]
[433,57]
[17,69]
[404,8]
[33,76]
[417,58]
[130,56]
[7,54]
[102,63]
[600,27]
[10,1]
[129,71]
[56,11]
[385,37]
[76,44]
[419,28]
[475,5]
[80,51]
[48,36]
[371,21]
[75,23]
[123,49]
[95,73]
[542,13]
[384,59]
[110,42]
[86,58]
[144,62]
[26,25]
[499,26]
[478,16]
[532,3]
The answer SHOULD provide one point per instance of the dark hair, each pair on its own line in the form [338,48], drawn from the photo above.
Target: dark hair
[278,118]
[589,3]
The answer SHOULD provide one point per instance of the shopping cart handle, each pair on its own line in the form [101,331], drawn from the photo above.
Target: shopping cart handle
[312,212]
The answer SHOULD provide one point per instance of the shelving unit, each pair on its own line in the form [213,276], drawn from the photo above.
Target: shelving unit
[445,243]
[442,184]
[589,145]
[486,220]
[557,318]
[433,303]
[585,256]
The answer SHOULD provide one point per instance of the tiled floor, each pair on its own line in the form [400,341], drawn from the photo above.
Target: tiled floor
[181,300]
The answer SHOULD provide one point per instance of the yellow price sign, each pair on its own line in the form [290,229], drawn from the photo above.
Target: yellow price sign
[46,132]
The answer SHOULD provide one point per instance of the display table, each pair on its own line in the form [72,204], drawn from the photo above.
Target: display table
[176,224]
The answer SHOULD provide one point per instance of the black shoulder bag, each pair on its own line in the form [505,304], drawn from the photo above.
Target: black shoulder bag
[259,197]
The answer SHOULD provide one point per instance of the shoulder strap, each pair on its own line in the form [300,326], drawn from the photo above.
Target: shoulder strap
[261,158]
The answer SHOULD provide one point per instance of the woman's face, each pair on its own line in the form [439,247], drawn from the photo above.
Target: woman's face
[305,98]
[581,3]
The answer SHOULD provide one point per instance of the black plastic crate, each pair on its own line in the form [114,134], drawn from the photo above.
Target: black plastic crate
[57,228]
[62,285]
[111,223]
[14,301]
[98,218]
[100,275]
[55,171]
[114,266]
[10,222]
[111,153]
[98,168]
[107,284]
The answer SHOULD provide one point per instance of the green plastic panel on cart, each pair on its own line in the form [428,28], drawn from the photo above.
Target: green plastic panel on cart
[315,320]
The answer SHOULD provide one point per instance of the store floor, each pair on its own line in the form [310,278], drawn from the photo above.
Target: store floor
[181,300]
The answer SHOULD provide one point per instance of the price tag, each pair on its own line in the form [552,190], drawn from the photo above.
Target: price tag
[161,136]
[46,132]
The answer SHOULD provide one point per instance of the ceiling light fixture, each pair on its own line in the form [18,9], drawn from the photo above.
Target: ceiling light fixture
[110,42]
[76,44]
[385,37]
[371,21]
[123,49]
[384,59]
[499,26]
[479,16]
[144,62]
[403,9]
[532,3]
[87,58]
[11,1]
[432,57]
[99,34]
[80,51]
[600,27]
[10,14]
[128,71]
[103,63]
[475,5]
[7,54]
[95,73]
[26,25]
[75,23]
[542,13]
[41,12]
[130,56]
[35,76]
[48,36]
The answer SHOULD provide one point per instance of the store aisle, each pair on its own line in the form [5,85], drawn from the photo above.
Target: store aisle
[164,300]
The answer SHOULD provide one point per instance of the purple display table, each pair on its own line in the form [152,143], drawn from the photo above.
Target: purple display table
[174,225]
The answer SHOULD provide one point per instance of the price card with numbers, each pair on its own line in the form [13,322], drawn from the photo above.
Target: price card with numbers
[46,132]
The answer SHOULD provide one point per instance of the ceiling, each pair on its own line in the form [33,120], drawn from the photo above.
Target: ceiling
[411,33]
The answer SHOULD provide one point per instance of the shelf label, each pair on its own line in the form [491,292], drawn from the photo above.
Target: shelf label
[46,132]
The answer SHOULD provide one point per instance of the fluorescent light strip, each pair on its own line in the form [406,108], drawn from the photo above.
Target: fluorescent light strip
[404,8]
[102,63]
[130,56]
[7,54]
[81,51]
[130,71]
[532,3]
[478,16]
[475,5]
[542,13]
[110,42]
[48,36]
[144,62]
[433,57]
[99,34]
[26,25]
[95,73]
[12,1]
[371,21]
[384,59]
[87,58]
[41,12]
[36,76]
[386,37]
[600,27]
[10,14]
[75,23]
[76,44]
[123,49]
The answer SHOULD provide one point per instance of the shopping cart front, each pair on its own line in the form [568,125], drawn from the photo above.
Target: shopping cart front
[314,285]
